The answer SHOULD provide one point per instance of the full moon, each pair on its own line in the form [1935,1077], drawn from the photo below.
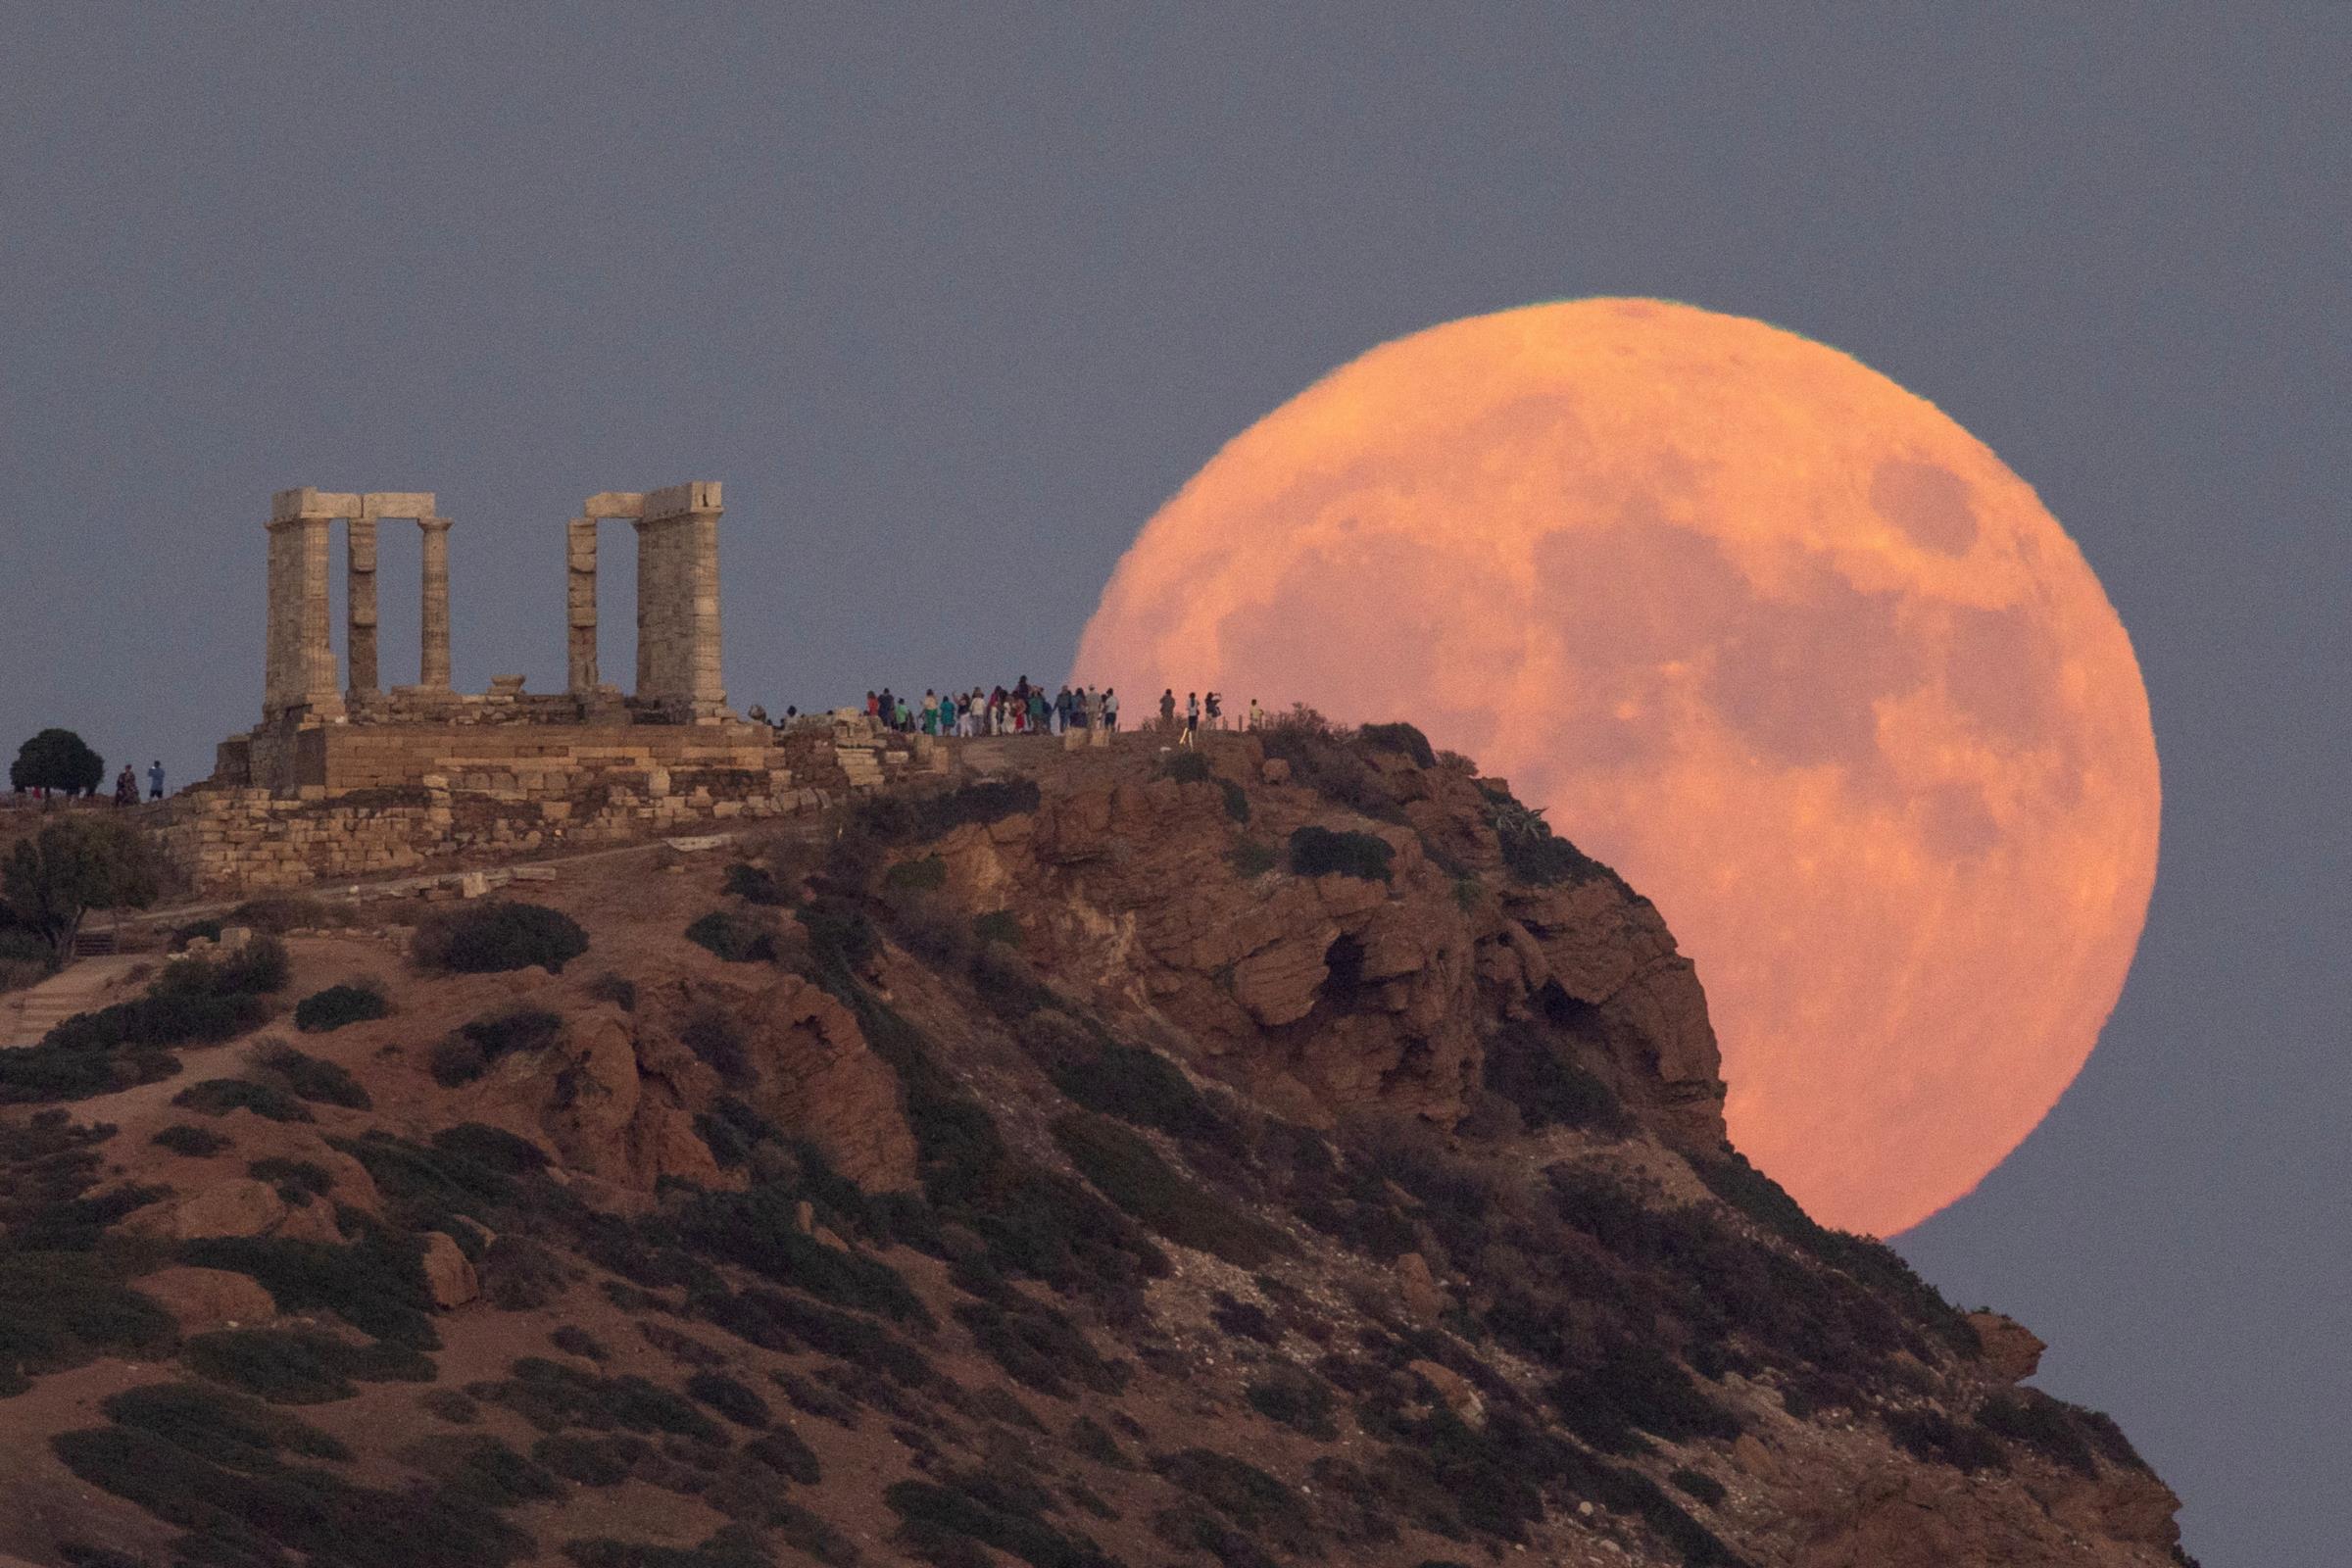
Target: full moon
[1776,638]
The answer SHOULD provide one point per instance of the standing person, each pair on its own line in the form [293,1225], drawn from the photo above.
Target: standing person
[1257,715]
[1167,710]
[1110,709]
[154,780]
[1061,709]
[873,706]
[126,787]
[930,711]
[1214,709]
[1192,718]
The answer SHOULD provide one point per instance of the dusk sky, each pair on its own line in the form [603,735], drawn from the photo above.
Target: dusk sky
[952,299]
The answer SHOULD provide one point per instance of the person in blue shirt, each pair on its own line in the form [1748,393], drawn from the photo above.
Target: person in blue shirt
[154,780]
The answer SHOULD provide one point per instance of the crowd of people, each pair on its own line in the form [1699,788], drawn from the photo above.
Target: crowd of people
[1021,708]
[1026,709]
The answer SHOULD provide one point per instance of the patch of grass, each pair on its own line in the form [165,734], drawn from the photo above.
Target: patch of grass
[1247,1495]
[218,1097]
[604,1460]
[182,1138]
[757,1230]
[519,1273]
[1631,1387]
[312,1078]
[300,1366]
[493,938]
[1318,851]
[1129,1172]
[736,938]
[337,1006]
[775,1322]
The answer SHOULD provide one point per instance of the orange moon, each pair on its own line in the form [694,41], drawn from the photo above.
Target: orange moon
[1776,638]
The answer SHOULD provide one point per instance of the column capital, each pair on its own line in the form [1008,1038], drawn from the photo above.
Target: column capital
[682,500]
[434,524]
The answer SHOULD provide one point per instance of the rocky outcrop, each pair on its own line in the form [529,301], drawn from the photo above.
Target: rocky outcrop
[202,1298]
[237,1206]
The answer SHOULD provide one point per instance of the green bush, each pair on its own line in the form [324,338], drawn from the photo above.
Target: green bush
[1698,1484]
[1037,1345]
[1318,851]
[297,1181]
[1237,800]
[719,1044]
[61,1310]
[337,1005]
[314,1079]
[926,875]
[195,1001]
[731,1548]
[1246,1494]
[783,1452]
[730,1398]
[552,1397]
[604,1460]
[1402,738]
[900,819]
[1254,857]
[377,1283]
[997,1511]
[492,937]
[218,1097]
[1632,1387]
[239,1430]
[617,989]
[736,938]
[481,1469]
[1129,1172]
[841,939]
[757,1230]
[1535,1074]
[194,1142]
[1186,767]
[1934,1436]
[756,885]
[241,1515]
[518,1274]
[1533,852]
[477,1045]
[998,926]
[300,1366]
[1296,1399]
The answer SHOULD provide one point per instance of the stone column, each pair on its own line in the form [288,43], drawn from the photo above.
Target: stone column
[432,666]
[679,652]
[301,651]
[358,544]
[580,604]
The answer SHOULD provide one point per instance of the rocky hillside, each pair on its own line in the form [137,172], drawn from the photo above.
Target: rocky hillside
[1285,1153]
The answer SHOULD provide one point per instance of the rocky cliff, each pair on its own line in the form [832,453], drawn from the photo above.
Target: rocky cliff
[1289,1151]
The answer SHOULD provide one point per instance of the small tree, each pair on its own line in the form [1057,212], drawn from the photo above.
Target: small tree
[57,759]
[50,882]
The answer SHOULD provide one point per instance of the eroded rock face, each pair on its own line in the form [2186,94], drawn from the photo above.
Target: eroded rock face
[448,1274]
[237,1206]
[2011,1349]
[1335,993]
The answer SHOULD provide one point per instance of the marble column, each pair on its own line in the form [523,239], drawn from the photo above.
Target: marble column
[679,652]
[360,649]
[580,604]
[432,669]
[301,672]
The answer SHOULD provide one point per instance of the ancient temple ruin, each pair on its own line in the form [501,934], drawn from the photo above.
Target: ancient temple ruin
[343,776]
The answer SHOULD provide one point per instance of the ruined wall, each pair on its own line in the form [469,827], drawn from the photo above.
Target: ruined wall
[496,791]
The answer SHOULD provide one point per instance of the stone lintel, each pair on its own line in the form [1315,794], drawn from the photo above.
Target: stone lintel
[306,503]
[680,500]
[615,504]
[397,504]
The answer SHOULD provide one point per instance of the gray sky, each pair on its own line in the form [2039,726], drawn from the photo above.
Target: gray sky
[952,302]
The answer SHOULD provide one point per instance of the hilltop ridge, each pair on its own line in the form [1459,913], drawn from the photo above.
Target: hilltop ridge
[1287,1150]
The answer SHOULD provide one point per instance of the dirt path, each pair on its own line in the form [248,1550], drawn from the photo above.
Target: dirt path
[92,983]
